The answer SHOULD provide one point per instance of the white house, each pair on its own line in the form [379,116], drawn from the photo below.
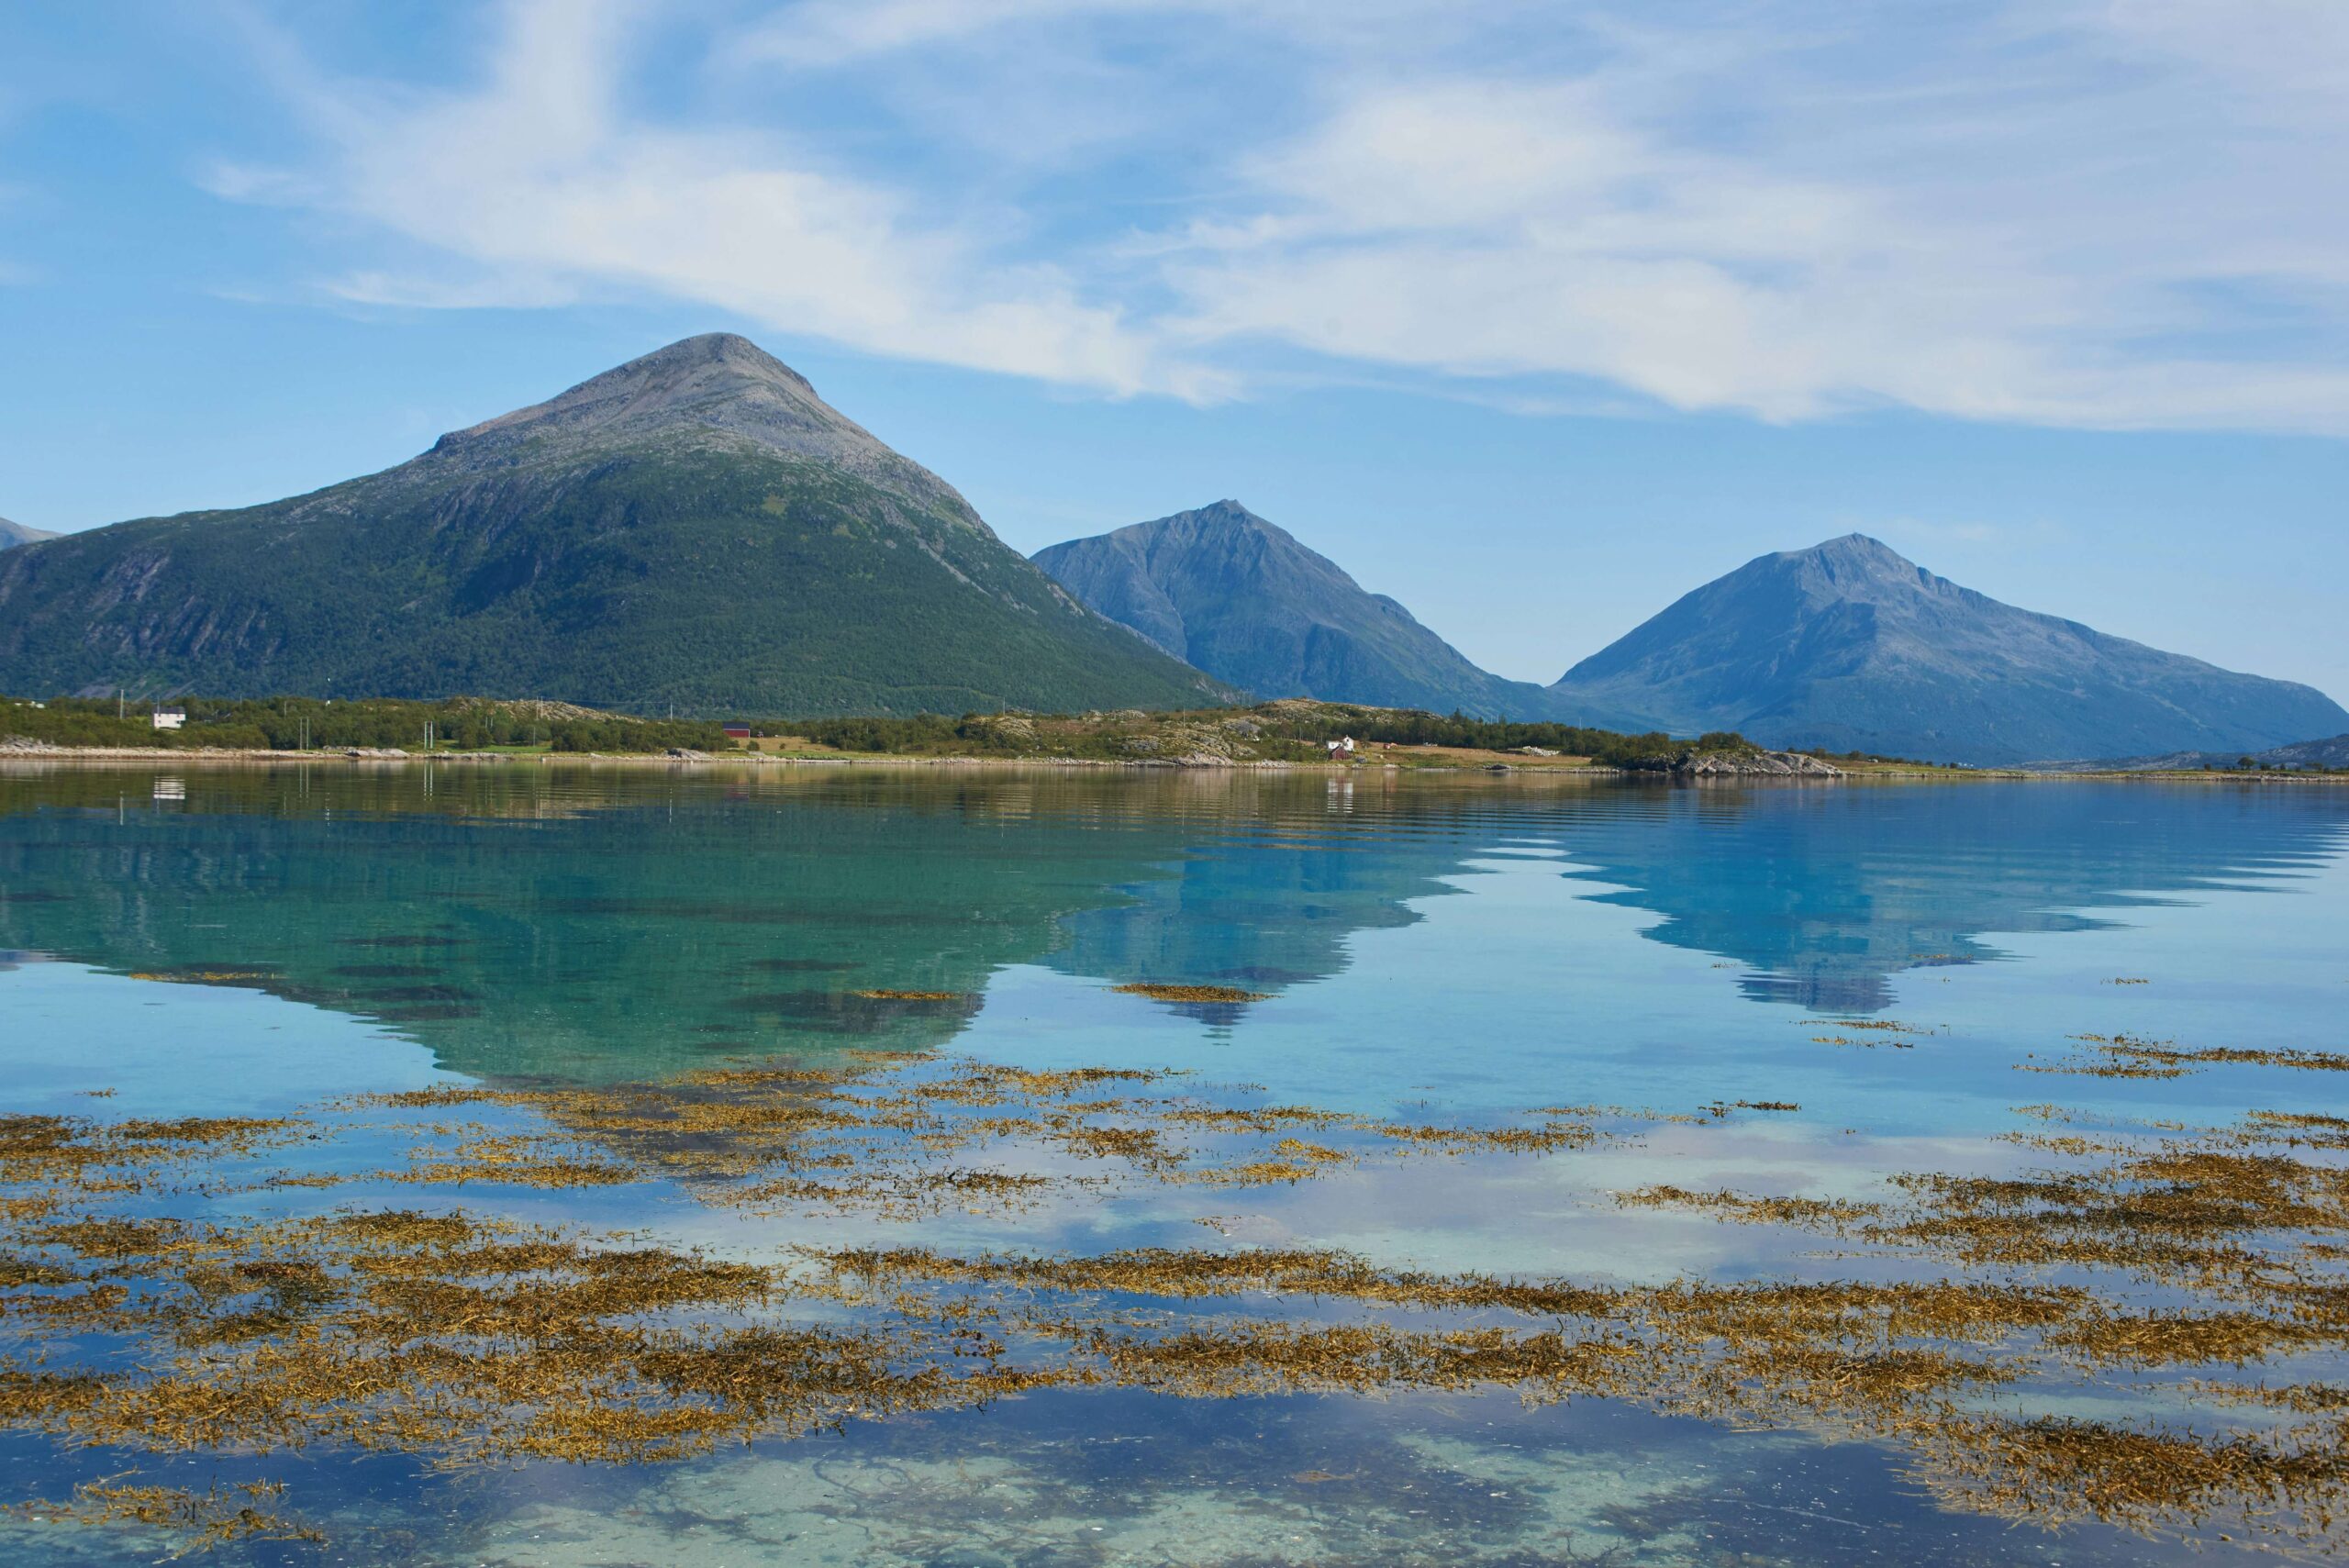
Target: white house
[169,718]
[1344,748]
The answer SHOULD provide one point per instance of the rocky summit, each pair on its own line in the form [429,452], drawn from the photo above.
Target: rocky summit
[1242,599]
[694,530]
[14,534]
[1848,646]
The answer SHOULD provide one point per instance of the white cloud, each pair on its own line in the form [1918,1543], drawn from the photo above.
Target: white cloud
[832,32]
[539,181]
[2118,214]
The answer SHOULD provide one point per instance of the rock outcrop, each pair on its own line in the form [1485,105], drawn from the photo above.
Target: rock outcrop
[1761,764]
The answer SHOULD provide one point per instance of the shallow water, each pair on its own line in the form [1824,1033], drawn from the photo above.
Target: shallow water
[1882,974]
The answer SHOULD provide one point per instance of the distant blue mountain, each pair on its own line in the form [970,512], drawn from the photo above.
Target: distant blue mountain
[2302,756]
[14,534]
[1848,646]
[1232,595]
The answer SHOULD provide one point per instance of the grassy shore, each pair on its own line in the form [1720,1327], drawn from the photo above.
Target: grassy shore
[1287,733]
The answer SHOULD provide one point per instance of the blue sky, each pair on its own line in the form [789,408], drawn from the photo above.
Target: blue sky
[1534,316]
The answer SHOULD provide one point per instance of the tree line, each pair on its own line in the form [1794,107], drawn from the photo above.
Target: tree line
[380,723]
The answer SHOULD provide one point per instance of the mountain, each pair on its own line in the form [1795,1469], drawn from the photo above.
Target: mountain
[695,529]
[2300,756]
[1848,646]
[14,534]
[1224,590]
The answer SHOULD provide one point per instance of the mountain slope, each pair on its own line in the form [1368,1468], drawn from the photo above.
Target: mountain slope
[1226,591]
[695,529]
[2300,756]
[14,534]
[1846,645]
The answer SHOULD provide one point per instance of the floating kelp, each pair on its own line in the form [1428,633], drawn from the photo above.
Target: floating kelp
[200,1519]
[2238,1210]
[202,975]
[1157,993]
[467,1338]
[907,1135]
[2123,1056]
[468,1341]
[38,1148]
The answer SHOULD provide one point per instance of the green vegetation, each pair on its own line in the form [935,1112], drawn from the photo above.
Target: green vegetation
[463,724]
[1292,730]
[652,576]
[1608,748]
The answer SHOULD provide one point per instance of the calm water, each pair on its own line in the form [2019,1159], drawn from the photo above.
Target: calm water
[1439,951]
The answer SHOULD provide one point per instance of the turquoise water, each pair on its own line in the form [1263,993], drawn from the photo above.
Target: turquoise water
[1454,950]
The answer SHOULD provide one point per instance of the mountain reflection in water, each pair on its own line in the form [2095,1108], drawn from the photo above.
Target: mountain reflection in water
[631,921]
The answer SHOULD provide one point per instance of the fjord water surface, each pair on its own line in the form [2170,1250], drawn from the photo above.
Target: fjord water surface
[1791,990]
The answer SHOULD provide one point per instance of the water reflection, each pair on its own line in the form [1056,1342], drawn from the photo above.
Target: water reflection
[542,921]
[1826,894]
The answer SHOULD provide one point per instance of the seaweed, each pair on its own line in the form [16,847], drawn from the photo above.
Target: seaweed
[469,1338]
[1160,993]
[207,1519]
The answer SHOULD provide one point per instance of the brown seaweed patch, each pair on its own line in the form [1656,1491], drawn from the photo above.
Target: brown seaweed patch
[200,976]
[1161,993]
[2125,1056]
[2236,1210]
[234,1131]
[893,1132]
[2053,1470]
[470,1340]
[207,1519]
[1825,1214]
[883,995]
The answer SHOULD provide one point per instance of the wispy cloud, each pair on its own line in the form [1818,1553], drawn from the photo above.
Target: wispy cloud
[539,181]
[2113,214]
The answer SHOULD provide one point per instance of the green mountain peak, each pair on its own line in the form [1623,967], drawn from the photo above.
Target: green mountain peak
[694,529]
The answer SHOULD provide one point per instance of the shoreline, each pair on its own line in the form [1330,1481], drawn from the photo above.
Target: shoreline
[156,756]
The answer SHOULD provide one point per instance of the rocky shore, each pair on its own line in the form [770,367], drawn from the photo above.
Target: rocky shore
[1763,764]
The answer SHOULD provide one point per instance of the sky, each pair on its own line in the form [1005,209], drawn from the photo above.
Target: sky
[1534,316]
